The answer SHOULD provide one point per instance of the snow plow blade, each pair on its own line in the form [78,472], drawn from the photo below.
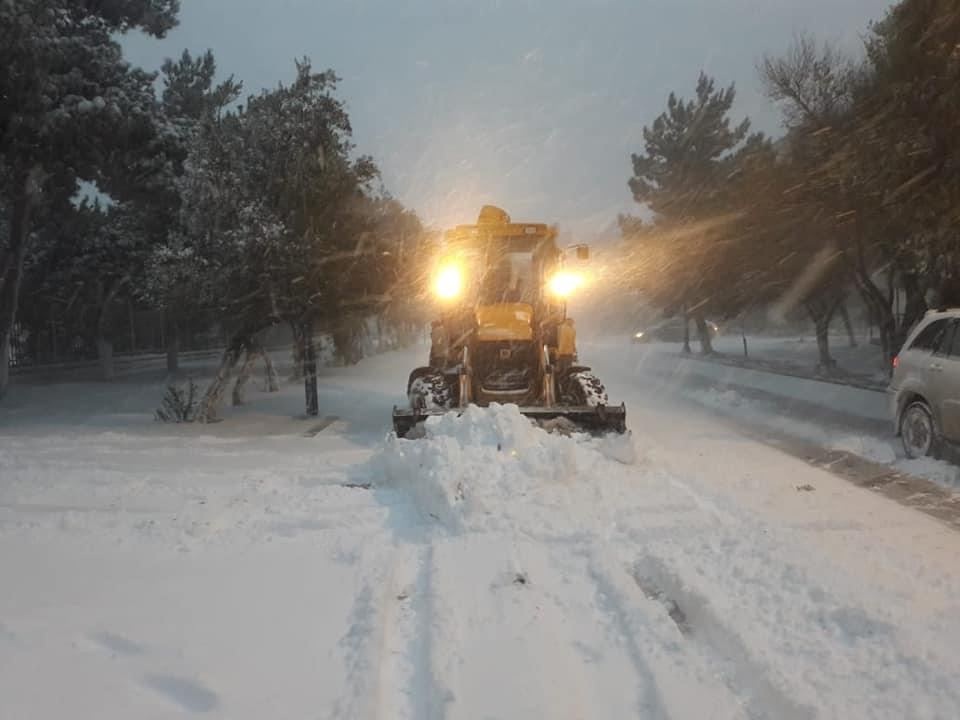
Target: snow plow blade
[591,419]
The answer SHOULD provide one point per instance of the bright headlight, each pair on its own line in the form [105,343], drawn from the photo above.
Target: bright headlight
[448,283]
[564,283]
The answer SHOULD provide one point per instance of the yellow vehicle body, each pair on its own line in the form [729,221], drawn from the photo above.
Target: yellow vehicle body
[509,321]
[502,334]
[567,340]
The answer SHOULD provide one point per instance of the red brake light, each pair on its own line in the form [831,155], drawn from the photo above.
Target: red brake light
[896,361]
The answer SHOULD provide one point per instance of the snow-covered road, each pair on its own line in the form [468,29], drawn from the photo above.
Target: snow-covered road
[243,570]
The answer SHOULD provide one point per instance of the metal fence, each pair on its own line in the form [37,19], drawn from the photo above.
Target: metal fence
[139,332]
[141,342]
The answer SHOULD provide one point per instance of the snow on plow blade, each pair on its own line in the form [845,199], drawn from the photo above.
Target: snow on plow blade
[583,418]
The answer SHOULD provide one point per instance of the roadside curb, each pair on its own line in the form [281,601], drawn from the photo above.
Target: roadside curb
[806,397]
[786,372]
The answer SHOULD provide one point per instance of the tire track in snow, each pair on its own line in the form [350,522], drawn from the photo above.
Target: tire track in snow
[363,641]
[662,660]
[392,647]
[617,671]
[733,580]
[691,613]
[408,685]
[703,627]
[663,668]
[388,648]
[786,636]
[516,637]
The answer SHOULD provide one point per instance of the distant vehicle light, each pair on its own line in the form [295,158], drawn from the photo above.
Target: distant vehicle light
[896,361]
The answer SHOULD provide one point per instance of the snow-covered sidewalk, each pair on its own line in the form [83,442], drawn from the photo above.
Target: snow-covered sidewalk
[835,417]
[243,570]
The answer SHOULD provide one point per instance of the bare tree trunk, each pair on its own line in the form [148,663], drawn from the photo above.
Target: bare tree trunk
[821,312]
[686,330]
[133,326]
[172,337]
[246,370]
[886,323]
[6,337]
[823,345]
[105,356]
[874,297]
[210,404]
[310,372]
[381,341]
[103,339]
[12,269]
[703,331]
[845,316]
[298,351]
[4,364]
[915,307]
[273,380]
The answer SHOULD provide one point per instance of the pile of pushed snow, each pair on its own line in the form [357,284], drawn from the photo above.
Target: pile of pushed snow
[867,447]
[941,472]
[471,470]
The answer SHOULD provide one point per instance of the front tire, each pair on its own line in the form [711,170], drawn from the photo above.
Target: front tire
[582,387]
[917,430]
[428,389]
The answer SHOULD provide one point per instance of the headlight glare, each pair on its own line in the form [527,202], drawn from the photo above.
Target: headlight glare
[565,283]
[448,283]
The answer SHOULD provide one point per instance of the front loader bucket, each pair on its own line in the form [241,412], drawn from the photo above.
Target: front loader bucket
[591,419]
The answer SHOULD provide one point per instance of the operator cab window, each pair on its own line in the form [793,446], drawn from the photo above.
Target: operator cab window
[931,337]
[510,280]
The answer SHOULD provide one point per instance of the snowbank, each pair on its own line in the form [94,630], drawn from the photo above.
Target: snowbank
[833,416]
[469,467]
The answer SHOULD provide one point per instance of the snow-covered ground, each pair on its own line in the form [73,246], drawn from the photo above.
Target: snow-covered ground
[833,416]
[253,569]
[800,352]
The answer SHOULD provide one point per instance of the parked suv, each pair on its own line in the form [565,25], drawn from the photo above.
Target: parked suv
[925,388]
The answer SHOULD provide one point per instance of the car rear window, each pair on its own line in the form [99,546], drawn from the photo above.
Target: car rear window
[931,336]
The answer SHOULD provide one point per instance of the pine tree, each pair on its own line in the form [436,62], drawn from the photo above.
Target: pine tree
[276,208]
[194,104]
[684,178]
[679,175]
[72,109]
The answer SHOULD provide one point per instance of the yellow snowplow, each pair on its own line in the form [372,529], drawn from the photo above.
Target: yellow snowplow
[503,335]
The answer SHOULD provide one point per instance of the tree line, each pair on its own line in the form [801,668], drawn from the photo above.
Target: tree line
[260,212]
[860,195]
[258,209]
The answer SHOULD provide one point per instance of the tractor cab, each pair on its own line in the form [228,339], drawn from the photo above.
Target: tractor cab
[504,265]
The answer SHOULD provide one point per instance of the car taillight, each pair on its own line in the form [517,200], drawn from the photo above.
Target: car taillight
[896,361]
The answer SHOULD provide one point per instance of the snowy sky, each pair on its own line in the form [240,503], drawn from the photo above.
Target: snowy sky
[534,105]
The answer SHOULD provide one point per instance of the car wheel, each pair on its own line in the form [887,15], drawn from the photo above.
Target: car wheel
[917,430]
